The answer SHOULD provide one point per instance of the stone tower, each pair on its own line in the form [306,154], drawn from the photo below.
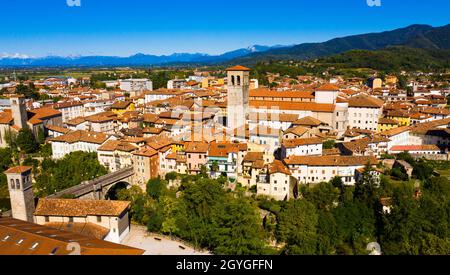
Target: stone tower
[21,192]
[238,96]
[19,110]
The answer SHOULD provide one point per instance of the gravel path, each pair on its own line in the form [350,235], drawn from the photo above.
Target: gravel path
[140,238]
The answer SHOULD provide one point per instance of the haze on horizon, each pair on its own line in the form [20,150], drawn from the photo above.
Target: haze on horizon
[124,28]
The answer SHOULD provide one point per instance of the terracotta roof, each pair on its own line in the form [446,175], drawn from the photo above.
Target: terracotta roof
[423,128]
[121,104]
[87,229]
[222,149]
[58,129]
[328,87]
[76,121]
[99,118]
[150,118]
[365,101]
[45,112]
[385,120]
[152,130]
[436,111]
[238,68]
[6,117]
[292,143]
[196,147]
[394,131]
[255,117]
[24,238]
[80,208]
[18,169]
[117,145]
[278,167]
[330,160]
[82,136]
[299,131]
[298,106]
[263,92]
[146,152]
[425,147]
[253,156]
[308,121]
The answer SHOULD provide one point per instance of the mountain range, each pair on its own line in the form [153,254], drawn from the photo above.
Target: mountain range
[134,60]
[414,36]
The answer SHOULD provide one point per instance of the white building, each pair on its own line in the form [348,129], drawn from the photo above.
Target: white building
[274,181]
[136,85]
[70,110]
[364,112]
[302,147]
[103,219]
[78,141]
[317,169]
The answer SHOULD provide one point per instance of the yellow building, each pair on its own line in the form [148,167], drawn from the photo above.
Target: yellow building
[391,79]
[385,124]
[401,116]
[120,107]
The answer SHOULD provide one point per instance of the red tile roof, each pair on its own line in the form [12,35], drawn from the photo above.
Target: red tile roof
[238,68]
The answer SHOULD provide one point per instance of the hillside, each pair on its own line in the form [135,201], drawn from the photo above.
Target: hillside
[415,36]
[392,59]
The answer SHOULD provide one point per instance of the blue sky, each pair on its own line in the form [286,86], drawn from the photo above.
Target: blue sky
[125,27]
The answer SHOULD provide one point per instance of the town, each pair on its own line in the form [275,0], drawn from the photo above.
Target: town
[232,136]
[221,125]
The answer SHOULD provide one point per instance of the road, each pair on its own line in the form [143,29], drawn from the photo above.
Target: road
[140,238]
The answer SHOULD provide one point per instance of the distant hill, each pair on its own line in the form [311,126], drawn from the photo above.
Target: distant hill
[392,58]
[415,36]
[134,60]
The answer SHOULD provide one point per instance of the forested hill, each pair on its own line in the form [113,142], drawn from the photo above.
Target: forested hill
[414,36]
[392,59]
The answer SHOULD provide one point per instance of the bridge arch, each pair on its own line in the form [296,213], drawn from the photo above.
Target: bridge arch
[112,191]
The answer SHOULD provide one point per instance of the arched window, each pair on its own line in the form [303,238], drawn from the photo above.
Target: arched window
[238,80]
[232,80]
[12,183]
[17,184]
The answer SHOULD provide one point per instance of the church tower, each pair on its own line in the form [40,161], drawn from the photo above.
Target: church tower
[21,192]
[19,110]
[238,96]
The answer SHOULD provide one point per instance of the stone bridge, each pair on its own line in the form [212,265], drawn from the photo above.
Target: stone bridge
[98,187]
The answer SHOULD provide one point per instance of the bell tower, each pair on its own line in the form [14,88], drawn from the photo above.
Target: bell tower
[238,85]
[21,192]
[19,111]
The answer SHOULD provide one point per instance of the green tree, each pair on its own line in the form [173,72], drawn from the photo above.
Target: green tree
[74,168]
[26,141]
[156,187]
[329,144]
[41,136]
[240,231]
[323,195]
[297,227]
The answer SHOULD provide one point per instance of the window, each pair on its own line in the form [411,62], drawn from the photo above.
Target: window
[47,219]
[99,218]
[12,184]
[71,219]
[17,184]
